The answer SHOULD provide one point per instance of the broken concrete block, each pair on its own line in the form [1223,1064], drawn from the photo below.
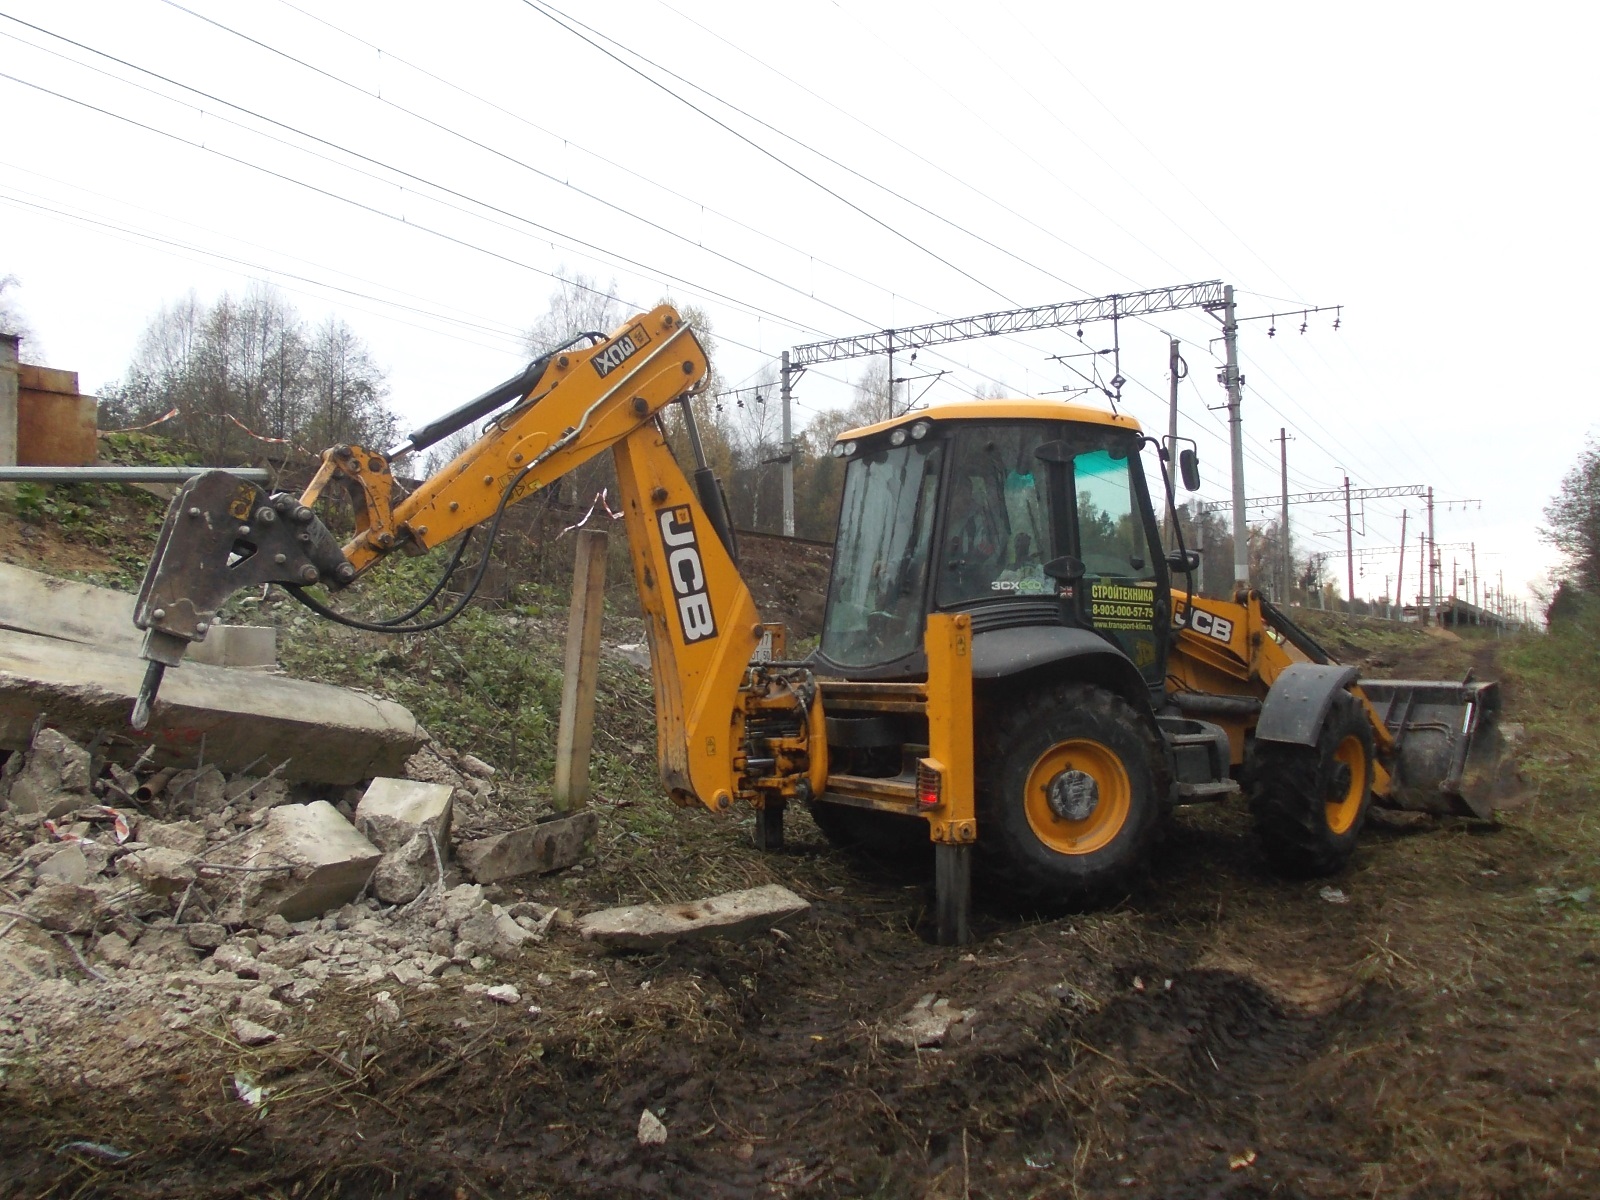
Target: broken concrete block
[503,994]
[547,846]
[335,735]
[237,960]
[186,836]
[402,874]
[54,777]
[66,865]
[460,902]
[160,871]
[324,864]
[201,792]
[651,1130]
[473,765]
[114,948]
[730,915]
[928,1023]
[63,907]
[393,811]
[205,935]
[251,1033]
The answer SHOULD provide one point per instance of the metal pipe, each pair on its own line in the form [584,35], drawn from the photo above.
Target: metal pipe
[123,474]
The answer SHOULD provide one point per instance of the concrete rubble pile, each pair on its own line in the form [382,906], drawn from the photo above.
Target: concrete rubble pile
[236,897]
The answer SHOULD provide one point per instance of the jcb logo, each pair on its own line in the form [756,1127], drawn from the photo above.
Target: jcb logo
[688,574]
[1199,620]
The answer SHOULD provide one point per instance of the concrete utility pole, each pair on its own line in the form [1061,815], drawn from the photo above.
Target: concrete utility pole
[1422,588]
[788,454]
[1477,618]
[1433,567]
[1349,554]
[1400,574]
[1283,515]
[1174,361]
[1231,381]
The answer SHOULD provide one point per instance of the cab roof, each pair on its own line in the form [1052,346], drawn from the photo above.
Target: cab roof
[1001,410]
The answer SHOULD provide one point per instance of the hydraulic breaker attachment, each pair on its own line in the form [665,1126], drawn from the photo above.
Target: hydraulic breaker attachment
[223,534]
[1449,756]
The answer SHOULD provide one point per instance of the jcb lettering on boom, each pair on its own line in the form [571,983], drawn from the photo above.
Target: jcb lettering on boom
[1199,620]
[687,573]
[620,350]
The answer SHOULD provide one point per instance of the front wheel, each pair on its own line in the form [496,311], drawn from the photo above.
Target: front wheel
[1310,802]
[1068,800]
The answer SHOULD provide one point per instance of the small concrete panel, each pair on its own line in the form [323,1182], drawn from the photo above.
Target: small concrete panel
[730,915]
[548,846]
[330,735]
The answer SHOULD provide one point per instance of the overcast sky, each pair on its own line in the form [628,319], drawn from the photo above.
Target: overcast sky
[818,169]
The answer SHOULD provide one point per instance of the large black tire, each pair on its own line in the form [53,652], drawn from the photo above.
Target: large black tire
[1310,802]
[1070,795]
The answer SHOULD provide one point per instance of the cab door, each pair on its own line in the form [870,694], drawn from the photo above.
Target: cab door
[1124,594]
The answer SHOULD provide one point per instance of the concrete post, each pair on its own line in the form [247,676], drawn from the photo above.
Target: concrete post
[1231,381]
[580,674]
[8,399]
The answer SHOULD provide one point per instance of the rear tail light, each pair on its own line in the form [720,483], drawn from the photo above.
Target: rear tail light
[930,784]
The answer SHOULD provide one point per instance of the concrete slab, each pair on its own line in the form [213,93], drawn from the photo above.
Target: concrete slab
[333,735]
[533,849]
[730,915]
[97,616]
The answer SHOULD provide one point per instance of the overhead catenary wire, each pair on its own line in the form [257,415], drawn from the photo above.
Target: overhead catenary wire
[735,341]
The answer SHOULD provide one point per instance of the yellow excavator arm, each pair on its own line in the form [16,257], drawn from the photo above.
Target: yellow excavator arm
[223,534]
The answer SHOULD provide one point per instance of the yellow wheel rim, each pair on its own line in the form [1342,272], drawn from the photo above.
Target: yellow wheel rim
[1098,829]
[1342,810]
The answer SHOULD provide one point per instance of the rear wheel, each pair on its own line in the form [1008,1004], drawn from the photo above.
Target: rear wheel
[1068,799]
[1310,802]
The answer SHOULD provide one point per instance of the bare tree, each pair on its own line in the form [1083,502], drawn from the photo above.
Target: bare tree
[578,305]
[251,365]
[14,321]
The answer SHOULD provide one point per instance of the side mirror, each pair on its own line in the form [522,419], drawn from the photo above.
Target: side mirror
[1189,468]
[1065,569]
[1186,561]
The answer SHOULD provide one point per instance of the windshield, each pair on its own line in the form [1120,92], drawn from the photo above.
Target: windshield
[997,536]
[880,562]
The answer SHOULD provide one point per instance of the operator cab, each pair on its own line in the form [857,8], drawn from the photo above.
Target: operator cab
[1025,513]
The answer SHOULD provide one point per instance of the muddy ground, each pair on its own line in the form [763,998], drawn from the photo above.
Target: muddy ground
[1428,1029]
[1422,1025]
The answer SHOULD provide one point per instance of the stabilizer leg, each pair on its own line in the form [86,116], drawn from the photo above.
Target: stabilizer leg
[952,866]
[769,826]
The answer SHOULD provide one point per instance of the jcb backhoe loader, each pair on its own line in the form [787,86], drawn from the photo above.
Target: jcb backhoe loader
[1003,656]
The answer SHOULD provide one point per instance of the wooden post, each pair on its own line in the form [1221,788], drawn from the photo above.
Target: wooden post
[580,673]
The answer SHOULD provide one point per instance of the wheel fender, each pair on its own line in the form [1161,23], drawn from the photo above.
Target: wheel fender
[1299,700]
[1003,654]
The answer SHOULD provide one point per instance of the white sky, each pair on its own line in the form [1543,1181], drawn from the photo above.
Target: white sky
[1422,165]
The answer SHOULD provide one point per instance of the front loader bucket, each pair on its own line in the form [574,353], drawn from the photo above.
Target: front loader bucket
[1448,752]
[1450,756]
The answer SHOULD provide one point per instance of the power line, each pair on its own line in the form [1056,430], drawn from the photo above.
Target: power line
[560,19]
[595,154]
[430,182]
